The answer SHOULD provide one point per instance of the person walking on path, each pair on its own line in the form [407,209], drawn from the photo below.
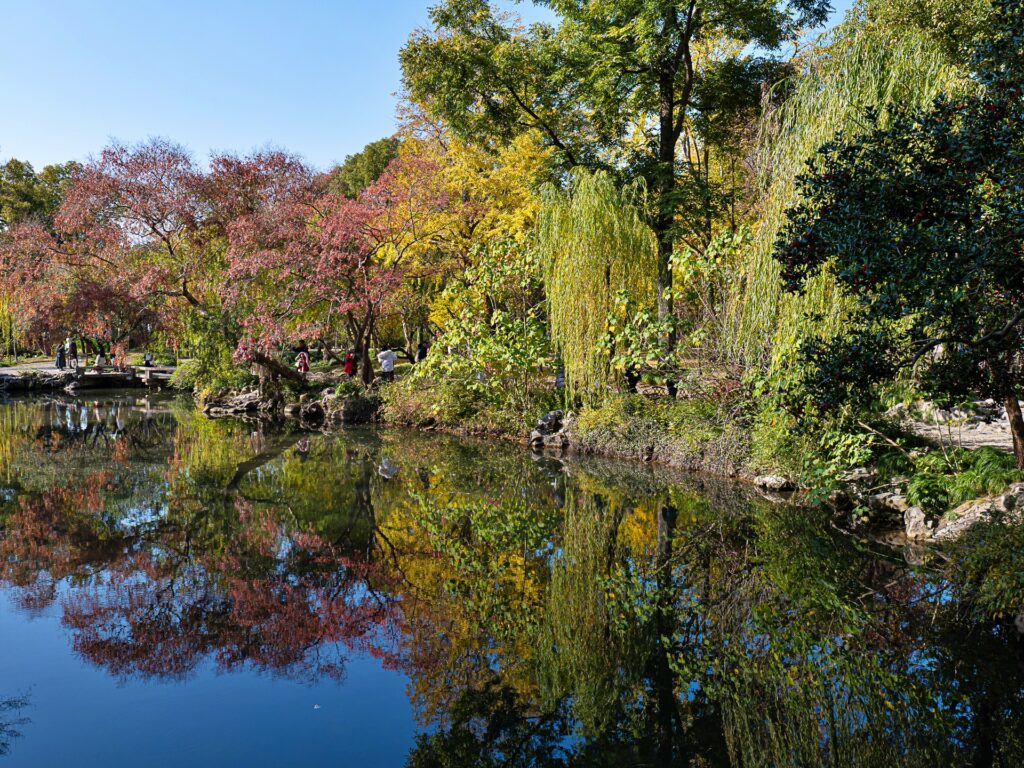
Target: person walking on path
[350,364]
[387,359]
[302,361]
[71,347]
[61,358]
[421,351]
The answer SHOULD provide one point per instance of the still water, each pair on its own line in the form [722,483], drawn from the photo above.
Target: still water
[176,591]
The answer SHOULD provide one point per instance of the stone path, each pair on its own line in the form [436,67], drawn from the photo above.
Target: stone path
[985,425]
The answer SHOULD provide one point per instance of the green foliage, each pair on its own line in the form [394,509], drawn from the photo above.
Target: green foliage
[212,367]
[988,565]
[598,255]
[858,65]
[955,25]
[26,195]
[701,433]
[943,480]
[362,169]
[920,220]
[494,347]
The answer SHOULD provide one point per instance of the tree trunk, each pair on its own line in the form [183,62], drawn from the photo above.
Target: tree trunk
[1016,428]
[365,364]
[277,368]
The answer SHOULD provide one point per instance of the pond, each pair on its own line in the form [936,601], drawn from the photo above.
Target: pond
[180,591]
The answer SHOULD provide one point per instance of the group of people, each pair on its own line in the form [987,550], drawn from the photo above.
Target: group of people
[386,358]
[67,356]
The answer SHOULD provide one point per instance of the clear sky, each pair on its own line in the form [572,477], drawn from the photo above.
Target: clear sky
[316,77]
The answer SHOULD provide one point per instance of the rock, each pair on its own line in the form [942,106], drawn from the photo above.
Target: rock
[1013,499]
[1019,624]
[840,499]
[889,501]
[860,475]
[774,483]
[359,410]
[916,523]
[313,412]
[557,441]
[292,410]
[964,517]
[549,423]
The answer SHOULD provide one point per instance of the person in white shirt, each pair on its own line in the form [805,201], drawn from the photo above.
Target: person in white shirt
[387,359]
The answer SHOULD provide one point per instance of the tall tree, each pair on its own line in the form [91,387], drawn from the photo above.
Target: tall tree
[27,195]
[641,86]
[922,222]
[363,168]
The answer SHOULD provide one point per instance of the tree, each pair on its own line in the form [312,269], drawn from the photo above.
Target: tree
[27,195]
[364,168]
[595,247]
[299,266]
[642,86]
[922,222]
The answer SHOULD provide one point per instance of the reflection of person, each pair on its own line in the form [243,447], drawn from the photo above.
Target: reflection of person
[387,359]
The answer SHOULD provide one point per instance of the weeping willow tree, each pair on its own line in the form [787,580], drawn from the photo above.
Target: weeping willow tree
[862,64]
[594,246]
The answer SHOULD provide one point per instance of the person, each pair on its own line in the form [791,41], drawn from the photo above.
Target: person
[421,351]
[387,359]
[350,364]
[72,349]
[302,361]
[61,360]
[147,360]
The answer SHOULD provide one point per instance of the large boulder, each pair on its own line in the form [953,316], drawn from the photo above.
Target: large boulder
[549,423]
[917,524]
[551,431]
[775,483]
[964,517]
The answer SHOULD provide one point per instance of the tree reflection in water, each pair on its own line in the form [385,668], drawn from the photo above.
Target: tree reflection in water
[11,721]
[591,614]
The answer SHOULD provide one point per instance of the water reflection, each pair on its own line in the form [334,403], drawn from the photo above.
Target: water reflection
[544,614]
[11,721]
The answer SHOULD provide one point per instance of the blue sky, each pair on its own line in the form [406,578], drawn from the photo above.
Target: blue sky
[316,77]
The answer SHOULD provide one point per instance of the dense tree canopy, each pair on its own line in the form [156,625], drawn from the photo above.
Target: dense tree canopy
[922,222]
[646,87]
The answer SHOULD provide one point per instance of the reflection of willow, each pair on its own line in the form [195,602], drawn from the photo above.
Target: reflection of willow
[580,651]
[612,609]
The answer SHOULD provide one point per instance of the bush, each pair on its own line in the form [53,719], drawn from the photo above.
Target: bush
[943,480]
[449,403]
[698,432]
